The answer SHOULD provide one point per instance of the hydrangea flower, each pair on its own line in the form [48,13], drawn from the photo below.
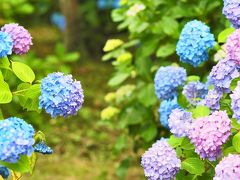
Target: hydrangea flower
[236,102]
[209,133]
[43,148]
[222,74]
[228,168]
[233,46]
[160,161]
[180,122]
[165,110]
[195,91]
[167,80]
[194,42]
[61,95]
[22,40]
[4,172]
[16,139]
[59,20]
[6,44]
[212,99]
[231,11]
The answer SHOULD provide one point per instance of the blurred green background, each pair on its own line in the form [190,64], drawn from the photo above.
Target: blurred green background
[69,36]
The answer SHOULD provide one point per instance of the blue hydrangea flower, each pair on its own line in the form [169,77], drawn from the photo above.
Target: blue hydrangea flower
[222,74]
[61,95]
[212,99]
[4,172]
[167,80]
[16,139]
[160,162]
[6,44]
[231,11]
[195,91]
[194,42]
[43,148]
[165,110]
[59,20]
[180,122]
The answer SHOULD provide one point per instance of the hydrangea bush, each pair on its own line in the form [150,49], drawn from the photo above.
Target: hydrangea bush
[205,119]
[58,94]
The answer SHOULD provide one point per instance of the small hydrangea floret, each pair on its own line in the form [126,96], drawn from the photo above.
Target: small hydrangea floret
[6,44]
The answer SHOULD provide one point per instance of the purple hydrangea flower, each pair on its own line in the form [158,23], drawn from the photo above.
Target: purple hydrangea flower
[233,46]
[22,40]
[212,99]
[223,73]
[228,168]
[167,80]
[61,95]
[236,102]
[160,161]
[209,133]
[194,42]
[16,139]
[180,122]
[195,91]
[6,44]
[231,11]
[165,110]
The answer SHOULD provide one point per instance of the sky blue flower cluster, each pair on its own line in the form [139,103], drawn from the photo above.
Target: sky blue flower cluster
[167,80]
[194,42]
[59,20]
[61,95]
[16,139]
[160,162]
[231,11]
[6,44]
[43,148]
[195,91]
[4,172]
[165,110]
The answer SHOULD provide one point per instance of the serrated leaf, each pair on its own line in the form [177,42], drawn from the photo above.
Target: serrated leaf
[193,78]
[23,72]
[5,93]
[193,166]
[118,79]
[229,150]
[236,142]
[222,37]
[147,95]
[174,141]
[200,111]
[112,44]
[166,50]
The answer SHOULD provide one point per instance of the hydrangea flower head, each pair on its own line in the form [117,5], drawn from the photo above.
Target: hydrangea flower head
[22,40]
[228,168]
[233,46]
[6,44]
[61,95]
[212,99]
[180,122]
[165,110]
[16,139]
[231,11]
[43,148]
[167,80]
[209,133]
[195,91]
[160,161]
[235,96]
[194,42]
[223,73]
[4,172]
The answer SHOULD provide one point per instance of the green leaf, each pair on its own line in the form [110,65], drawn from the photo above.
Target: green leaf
[149,133]
[193,166]
[166,50]
[193,78]
[123,168]
[32,161]
[186,144]
[234,83]
[174,141]
[1,115]
[229,150]
[222,37]
[147,95]
[118,79]
[71,57]
[200,111]
[5,93]
[23,72]
[170,26]
[112,44]
[22,166]
[236,142]
[4,63]
[182,101]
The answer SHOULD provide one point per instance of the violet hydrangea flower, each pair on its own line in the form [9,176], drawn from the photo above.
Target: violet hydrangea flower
[212,99]
[209,133]
[194,42]
[236,102]
[16,139]
[231,11]
[165,110]
[233,46]
[160,161]
[61,95]
[6,44]
[195,91]
[167,80]
[180,122]
[22,40]
[223,73]
[228,168]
